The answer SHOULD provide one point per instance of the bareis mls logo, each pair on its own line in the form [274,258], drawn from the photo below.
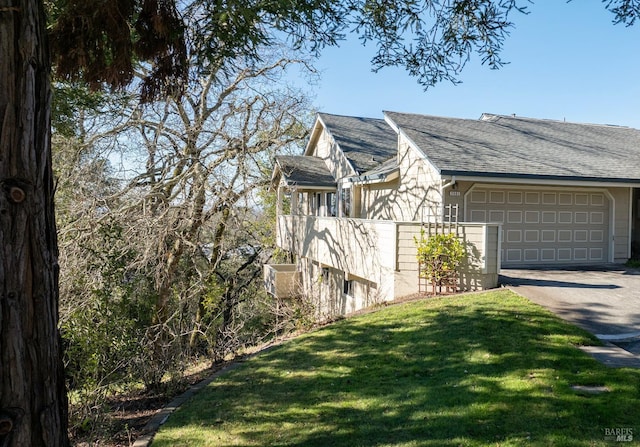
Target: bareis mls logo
[618,434]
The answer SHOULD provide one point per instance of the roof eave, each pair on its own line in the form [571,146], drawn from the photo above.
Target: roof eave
[499,177]
[383,177]
[276,175]
[316,187]
[316,131]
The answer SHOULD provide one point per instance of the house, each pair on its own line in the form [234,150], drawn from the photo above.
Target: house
[518,191]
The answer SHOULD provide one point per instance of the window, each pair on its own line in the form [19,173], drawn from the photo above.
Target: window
[331,204]
[347,287]
[317,204]
[299,203]
[345,199]
[325,274]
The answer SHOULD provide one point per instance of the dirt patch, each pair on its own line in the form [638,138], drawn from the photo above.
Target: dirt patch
[125,415]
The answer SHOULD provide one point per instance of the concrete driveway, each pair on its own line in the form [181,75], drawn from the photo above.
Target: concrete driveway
[603,300]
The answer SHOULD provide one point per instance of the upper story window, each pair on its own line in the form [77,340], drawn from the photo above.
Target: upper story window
[345,201]
[297,204]
[317,204]
[332,206]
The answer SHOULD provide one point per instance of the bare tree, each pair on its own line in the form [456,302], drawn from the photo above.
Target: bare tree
[181,218]
[204,155]
[92,41]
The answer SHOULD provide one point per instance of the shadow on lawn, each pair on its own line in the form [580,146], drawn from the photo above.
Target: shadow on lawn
[448,375]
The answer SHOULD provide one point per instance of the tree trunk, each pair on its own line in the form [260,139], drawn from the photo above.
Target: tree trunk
[33,405]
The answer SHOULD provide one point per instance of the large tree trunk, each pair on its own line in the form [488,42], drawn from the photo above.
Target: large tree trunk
[33,405]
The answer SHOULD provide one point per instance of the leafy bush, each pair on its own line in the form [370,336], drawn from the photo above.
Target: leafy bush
[633,263]
[440,256]
[108,310]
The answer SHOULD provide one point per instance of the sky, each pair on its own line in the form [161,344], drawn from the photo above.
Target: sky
[567,61]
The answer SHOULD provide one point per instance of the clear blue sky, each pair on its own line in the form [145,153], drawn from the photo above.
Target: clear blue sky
[567,61]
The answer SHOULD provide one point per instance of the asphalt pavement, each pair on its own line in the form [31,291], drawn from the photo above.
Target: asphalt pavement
[604,300]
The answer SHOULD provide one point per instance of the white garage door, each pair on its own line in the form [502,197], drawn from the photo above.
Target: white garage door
[545,226]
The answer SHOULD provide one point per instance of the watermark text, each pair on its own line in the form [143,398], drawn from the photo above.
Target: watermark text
[619,434]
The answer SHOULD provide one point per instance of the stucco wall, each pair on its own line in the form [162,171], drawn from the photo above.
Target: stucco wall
[378,256]
[363,248]
[324,286]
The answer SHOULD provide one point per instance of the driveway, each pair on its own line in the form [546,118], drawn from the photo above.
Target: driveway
[603,300]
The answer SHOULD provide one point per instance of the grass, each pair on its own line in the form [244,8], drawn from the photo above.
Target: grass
[488,369]
[633,263]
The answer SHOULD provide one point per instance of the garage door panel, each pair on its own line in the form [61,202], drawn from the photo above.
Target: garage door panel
[496,216]
[580,236]
[564,254]
[549,217]
[582,199]
[565,236]
[532,217]
[531,255]
[549,198]
[598,200]
[496,197]
[532,198]
[581,217]
[597,218]
[548,254]
[565,199]
[548,236]
[514,198]
[580,254]
[596,254]
[514,216]
[513,255]
[479,197]
[514,236]
[478,216]
[531,236]
[565,217]
[547,226]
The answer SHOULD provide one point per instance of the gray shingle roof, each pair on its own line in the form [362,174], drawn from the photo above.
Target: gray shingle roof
[383,169]
[366,142]
[505,146]
[299,170]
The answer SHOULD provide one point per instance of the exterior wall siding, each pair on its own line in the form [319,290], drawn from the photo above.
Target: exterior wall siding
[622,215]
[420,190]
[364,249]
[324,290]
[479,272]
[416,198]
[376,200]
[328,150]
[324,286]
[378,257]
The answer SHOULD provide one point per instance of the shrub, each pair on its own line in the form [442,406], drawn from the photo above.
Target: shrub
[440,257]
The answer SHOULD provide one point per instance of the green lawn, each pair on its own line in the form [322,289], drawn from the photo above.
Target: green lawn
[486,369]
